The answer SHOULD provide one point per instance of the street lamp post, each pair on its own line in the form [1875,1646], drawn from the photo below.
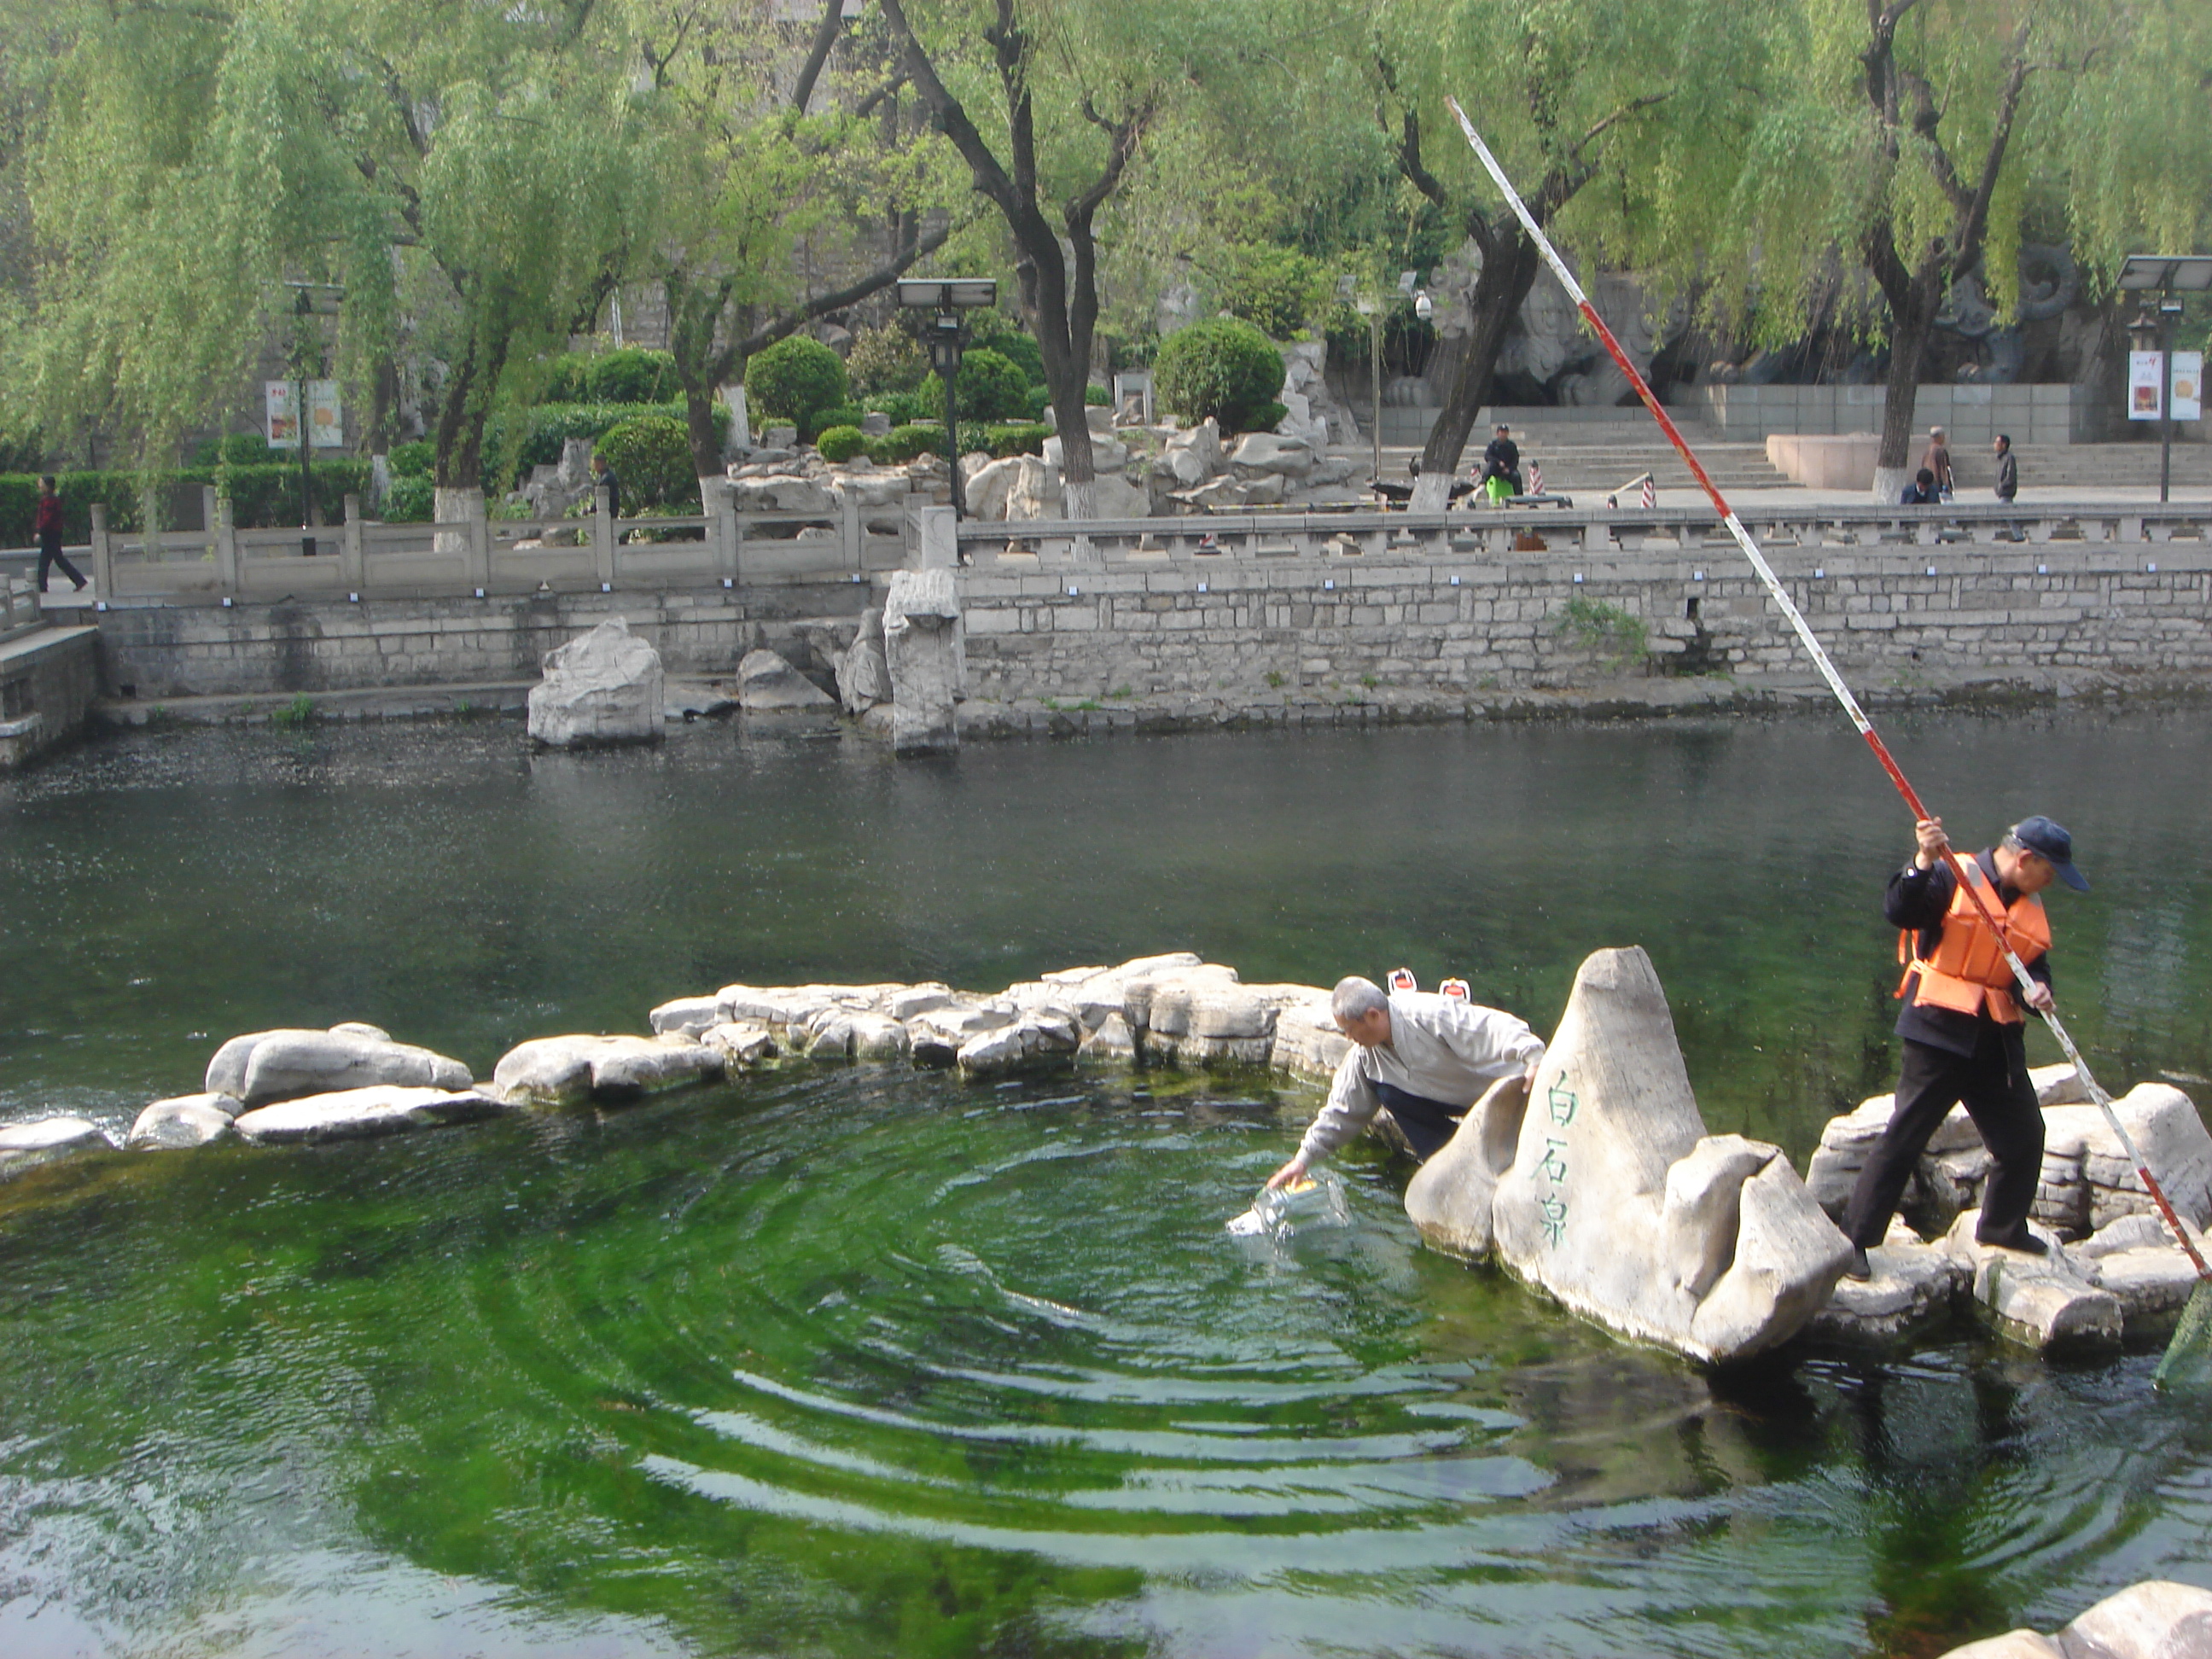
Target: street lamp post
[308,300]
[2164,274]
[1372,308]
[947,340]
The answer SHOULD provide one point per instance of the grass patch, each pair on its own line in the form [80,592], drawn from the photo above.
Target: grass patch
[1617,638]
[300,712]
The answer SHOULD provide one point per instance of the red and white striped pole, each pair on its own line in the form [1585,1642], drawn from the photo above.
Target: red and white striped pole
[1535,479]
[1820,658]
[1651,492]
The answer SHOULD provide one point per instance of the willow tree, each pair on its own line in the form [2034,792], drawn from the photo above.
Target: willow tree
[773,217]
[1620,121]
[475,165]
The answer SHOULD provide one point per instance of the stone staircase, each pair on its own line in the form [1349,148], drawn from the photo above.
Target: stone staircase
[1590,458]
[2051,469]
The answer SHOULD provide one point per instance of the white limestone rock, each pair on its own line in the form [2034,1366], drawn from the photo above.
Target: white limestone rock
[25,1146]
[924,647]
[914,1000]
[687,1016]
[1032,1041]
[263,1067]
[1722,1260]
[562,1071]
[2043,1301]
[1272,453]
[2156,1618]
[1450,1197]
[863,673]
[603,687]
[182,1121]
[740,1043]
[988,487]
[1200,1016]
[767,684]
[1913,1285]
[784,492]
[1193,454]
[358,1114]
[1307,1042]
[2166,1129]
[878,1038]
[1112,1044]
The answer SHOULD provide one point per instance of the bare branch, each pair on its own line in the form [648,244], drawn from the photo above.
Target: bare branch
[818,54]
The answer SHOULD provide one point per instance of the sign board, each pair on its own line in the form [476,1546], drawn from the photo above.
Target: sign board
[325,421]
[2188,385]
[2144,403]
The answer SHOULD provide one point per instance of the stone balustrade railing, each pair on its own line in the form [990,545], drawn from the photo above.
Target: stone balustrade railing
[1502,532]
[482,557]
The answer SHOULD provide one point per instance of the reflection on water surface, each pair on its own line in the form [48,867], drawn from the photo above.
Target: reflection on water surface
[861,1362]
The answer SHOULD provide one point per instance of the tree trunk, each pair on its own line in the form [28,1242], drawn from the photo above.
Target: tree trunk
[1911,320]
[699,427]
[1499,289]
[460,428]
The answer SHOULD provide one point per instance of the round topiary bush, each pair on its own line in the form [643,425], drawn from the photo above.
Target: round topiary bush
[798,379]
[841,443]
[1224,367]
[652,456]
[992,387]
[413,460]
[408,500]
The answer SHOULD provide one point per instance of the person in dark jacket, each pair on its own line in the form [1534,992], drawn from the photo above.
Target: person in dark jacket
[1501,458]
[2008,469]
[47,523]
[1963,1027]
[1921,492]
[602,478]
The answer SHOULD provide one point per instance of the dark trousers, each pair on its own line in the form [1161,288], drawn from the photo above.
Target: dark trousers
[1427,1123]
[1992,1084]
[51,555]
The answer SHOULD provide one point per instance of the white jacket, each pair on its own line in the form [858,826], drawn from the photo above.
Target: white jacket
[1440,1049]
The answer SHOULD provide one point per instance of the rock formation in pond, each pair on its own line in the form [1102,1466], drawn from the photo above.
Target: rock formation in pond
[182,1121]
[601,687]
[923,645]
[1605,1189]
[25,1146]
[563,1071]
[2154,1620]
[358,1114]
[768,684]
[269,1066]
[2112,1271]
[864,673]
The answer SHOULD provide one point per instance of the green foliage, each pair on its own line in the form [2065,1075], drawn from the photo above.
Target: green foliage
[990,388]
[905,408]
[300,712]
[994,331]
[1617,637]
[886,360]
[628,374]
[652,455]
[409,500]
[516,440]
[1278,291]
[262,497]
[235,449]
[798,379]
[414,459]
[1040,400]
[841,443]
[842,415]
[903,443]
[1264,418]
[1018,438]
[1097,397]
[1224,367]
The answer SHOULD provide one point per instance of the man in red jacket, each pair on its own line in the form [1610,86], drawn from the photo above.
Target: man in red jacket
[48,522]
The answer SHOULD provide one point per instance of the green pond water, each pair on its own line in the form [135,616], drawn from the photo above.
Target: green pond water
[871,1362]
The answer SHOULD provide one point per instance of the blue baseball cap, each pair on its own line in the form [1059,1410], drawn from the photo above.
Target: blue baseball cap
[2049,840]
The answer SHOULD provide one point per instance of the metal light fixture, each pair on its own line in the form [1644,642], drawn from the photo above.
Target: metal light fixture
[948,298]
[2167,274]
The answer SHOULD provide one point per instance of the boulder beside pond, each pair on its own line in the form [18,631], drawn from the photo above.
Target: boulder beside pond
[25,1146]
[183,1121]
[2156,1618]
[263,1067]
[564,1071]
[358,1114]
[602,687]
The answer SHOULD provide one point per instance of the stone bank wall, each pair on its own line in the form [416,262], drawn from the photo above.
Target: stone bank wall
[324,646]
[2056,618]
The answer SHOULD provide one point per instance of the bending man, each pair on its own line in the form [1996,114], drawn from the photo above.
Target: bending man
[1963,1031]
[1427,1057]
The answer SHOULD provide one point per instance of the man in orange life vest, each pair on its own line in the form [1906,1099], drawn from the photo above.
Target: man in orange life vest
[1963,1025]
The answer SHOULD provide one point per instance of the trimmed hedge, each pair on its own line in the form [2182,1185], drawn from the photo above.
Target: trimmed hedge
[990,387]
[516,440]
[409,500]
[800,379]
[1224,367]
[652,456]
[628,375]
[902,444]
[413,460]
[841,443]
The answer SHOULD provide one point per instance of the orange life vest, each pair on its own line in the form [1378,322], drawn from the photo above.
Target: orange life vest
[1968,970]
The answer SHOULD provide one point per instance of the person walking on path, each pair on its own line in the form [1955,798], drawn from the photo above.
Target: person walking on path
[46,522]
[1427,1057]
[2007,470]
[1963,1028]
[1936,458]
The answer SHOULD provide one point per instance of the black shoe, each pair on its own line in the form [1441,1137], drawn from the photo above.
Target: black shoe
[1858,1266]
[2025,1242]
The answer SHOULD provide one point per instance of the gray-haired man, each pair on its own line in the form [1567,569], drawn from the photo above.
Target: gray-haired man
[1427,1057]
